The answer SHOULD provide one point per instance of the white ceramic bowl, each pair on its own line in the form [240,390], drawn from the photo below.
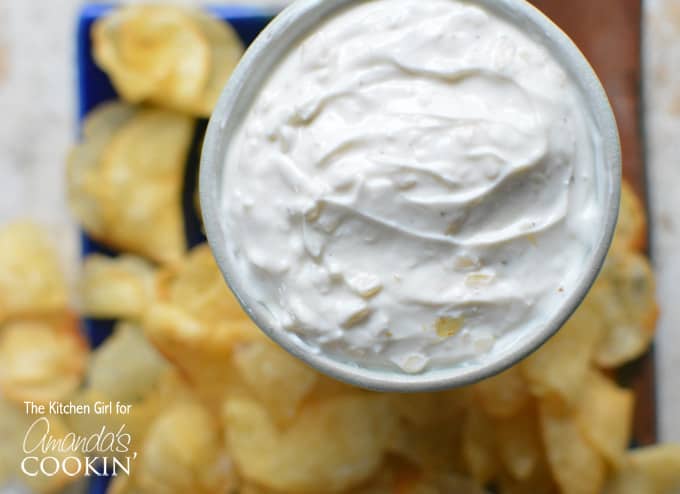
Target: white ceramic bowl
[271,45]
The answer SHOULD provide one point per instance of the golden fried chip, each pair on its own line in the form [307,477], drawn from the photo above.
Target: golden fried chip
[226,50]
[330,446]
[625,296]
[424,409]
[429,446]
[519,443]
[576,466]
[83,164]
[31,281]
[276,378]
[198,323]
[147,47]
[19,430]
[630,481]
[540,481]
[661,465]
[479,447]
[504,394]
[183,453]
[560,366]
[126,367]
[631,229]
[605,415]
[121,287]
[447,483]
[173,57]
[430,425]
[41,359]
[127,193]
[132,425]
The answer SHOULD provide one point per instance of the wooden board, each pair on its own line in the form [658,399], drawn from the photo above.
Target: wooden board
[608,32]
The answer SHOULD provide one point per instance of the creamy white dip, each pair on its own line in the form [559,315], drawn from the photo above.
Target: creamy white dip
[413,186]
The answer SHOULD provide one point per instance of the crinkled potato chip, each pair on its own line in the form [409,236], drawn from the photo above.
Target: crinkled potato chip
[445,484]
[226,50]
[127,194]
[171,56]
[630,481]
[631,229]
[605,415]
[429,446]
[625,296]
[539,482]
[183,453]
[576,466]
[142,414]
[198,323]
[424,409]
[41,359]
[15,428]
[82,170]
[480,451]
[560,366]
[330,446]
[277,379]
[126,367]
[31,280]
[120,287]
[519,443]
[661,465]
[429,427]
[504,394]
[145,47]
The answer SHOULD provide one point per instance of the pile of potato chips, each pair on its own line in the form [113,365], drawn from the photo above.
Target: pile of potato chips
[217,407]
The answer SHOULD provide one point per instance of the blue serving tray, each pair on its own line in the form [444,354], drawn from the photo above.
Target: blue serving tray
[94,88]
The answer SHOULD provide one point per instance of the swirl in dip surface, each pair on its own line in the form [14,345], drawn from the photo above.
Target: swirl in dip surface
[412,187]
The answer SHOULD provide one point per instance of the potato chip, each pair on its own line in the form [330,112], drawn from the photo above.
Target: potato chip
[430,427]
[226,50]
[625,296]
[431,446]
[630,481]
[277,379]
[41,359]
[18,429]
[519,443]
[136,423]
[631,229]
[423,409]
[127,190]
[83,164]
[503,395]
[171,56]
[539,482]
[126,367]
[145,47]
[330,446]
[31,281]
[447,483]
[198,323]
[121,287]
[576,466]
[560,366]
[479,447]
[183,453]
[605,415]
[661,465]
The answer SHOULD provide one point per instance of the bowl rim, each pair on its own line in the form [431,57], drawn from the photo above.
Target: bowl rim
[263,54]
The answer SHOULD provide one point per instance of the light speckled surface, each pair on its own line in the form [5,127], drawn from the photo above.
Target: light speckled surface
[662,97]
[37,90]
